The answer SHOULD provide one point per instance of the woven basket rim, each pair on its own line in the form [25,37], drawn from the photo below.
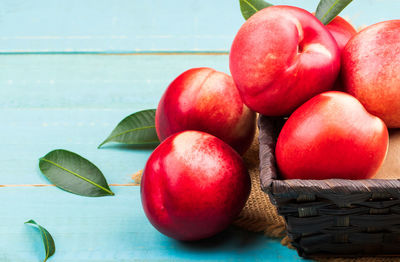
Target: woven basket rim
[269,129]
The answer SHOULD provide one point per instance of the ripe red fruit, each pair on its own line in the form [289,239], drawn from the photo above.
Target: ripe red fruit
[371,70]
[341,30]
[193,186]
[281,57]
[331,136]
[206,100]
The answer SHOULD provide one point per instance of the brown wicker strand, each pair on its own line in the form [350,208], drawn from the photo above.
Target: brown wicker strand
[334,216]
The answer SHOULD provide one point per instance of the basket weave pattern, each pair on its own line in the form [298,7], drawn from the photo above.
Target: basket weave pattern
[333,216]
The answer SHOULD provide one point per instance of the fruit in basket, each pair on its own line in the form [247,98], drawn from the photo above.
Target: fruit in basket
[341,30]
[281,57]
[371,70]
[331,136]
[193,186]
[206,100]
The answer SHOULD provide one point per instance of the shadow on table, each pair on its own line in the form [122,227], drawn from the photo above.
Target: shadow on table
[233,238]
[233,244]
[130,147]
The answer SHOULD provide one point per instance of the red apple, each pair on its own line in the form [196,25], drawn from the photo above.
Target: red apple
[371,70]
[341,30]
[193,186]
[206,100]
[281,57]
[331,136]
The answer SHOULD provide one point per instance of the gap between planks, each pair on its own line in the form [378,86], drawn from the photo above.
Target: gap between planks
[134,53]
[45,185]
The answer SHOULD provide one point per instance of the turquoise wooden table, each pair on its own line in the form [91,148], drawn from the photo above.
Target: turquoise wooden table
[69,72]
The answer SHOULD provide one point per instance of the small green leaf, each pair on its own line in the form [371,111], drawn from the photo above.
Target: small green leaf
[136,129]
[327,10]
[73,173]
[48,240]
[250,7]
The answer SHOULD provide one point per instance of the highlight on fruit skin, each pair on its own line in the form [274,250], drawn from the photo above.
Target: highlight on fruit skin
[331,136]
[193,186]
[371,70]
[281,57]
[341,30]
[206,100]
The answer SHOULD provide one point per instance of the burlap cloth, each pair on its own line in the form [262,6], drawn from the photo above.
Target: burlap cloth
[259,215]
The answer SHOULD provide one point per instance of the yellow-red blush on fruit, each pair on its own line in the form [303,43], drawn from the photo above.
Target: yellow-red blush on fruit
[206,100]
[331,136]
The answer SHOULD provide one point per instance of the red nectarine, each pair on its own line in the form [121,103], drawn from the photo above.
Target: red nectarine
[193,186]
[341,30]
[331,136]
[371,70]
[281,57]
[206,100]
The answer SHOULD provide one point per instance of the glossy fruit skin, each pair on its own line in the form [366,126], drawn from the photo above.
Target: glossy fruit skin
[281,57]
[193,186]
[371,70]
[341,30]
[331,136]
[206,100]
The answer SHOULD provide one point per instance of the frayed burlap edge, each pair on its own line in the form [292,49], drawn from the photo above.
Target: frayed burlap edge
[137,177]
[259,215]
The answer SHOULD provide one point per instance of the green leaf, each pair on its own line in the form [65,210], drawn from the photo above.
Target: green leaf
[73,173]
[136,129]
[48,240]
[250,7]
[327,10]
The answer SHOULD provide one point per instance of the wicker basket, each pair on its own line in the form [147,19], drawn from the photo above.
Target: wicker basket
[333,216]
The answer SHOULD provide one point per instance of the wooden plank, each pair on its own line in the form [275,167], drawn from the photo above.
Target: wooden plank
[93,81]
[142,26]
[112,229]
[74,101]
[121,26]
[30,134]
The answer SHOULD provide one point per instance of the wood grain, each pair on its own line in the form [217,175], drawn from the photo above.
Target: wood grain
[126,26]
[112,229]
[53,96]
[73,102]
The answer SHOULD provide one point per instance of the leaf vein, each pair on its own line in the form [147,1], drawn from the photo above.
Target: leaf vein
[47,243]
[248,3]
[77,175]
[327,12]
[125,132]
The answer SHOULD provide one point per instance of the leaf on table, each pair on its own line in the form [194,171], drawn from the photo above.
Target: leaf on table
[136,129]
[327,10]
[73,173]
[250,7]
[48,240]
